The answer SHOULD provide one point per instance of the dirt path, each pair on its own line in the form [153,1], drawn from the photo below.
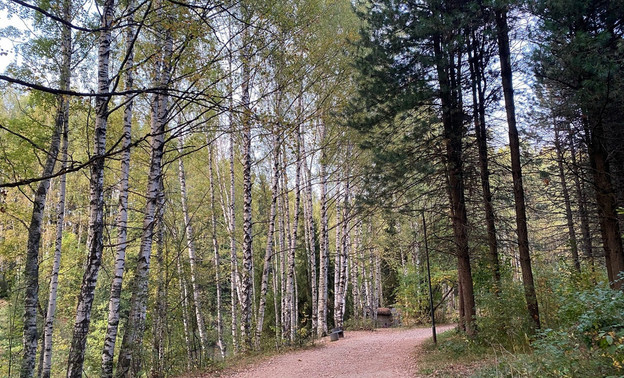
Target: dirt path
[381,353]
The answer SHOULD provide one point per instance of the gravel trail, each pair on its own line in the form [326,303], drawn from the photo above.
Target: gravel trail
[385,352]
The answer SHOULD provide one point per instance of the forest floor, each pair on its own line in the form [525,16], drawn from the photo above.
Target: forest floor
[388,352]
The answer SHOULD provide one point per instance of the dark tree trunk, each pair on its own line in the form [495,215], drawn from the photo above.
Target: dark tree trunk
[566,201]
[606,202]
[502,31]
[452,121]
[477,77]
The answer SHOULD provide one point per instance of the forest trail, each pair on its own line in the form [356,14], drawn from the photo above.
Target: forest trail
[387,352]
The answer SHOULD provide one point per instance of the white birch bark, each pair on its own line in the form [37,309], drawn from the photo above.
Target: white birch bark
[190,245]
[96,222]
[184,302]
[282,261]
[337,258]
[268,255]
[289,259]
[246,306]
[234,286]
[160,312]
[62,118]
[129,355]
[324,253]
[122,217]
[293,246]
[215,250]
[310,244]
[276,307]
[345,243]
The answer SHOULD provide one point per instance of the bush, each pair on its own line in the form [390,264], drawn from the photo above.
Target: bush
[589,342]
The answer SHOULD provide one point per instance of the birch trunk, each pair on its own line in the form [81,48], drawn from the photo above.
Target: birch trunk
[62,118]
[234,286]
[122,220]
[294,300]
[310,245]
[344,250]
[184,303]
[215,249]
[268,255]
[160,313]
[231,213]
[289,257]
[96,221]
[129,355]
[324,253]
[337,259]
[355,273]
[282,262]
[246,297]
[190,245]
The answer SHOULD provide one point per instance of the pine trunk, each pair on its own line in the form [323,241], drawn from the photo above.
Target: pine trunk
[477,76]
[502,31]
[448,75]
[566,201]
[582,202]
[607,205]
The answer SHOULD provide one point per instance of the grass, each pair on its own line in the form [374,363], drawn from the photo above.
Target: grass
[454,356]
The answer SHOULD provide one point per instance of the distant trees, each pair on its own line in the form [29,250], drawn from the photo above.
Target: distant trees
[579,59]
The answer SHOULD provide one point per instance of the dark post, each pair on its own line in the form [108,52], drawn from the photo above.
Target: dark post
[433,328]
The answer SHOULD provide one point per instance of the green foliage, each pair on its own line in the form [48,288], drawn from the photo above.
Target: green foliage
[412,293]
[588,342]
[359,324]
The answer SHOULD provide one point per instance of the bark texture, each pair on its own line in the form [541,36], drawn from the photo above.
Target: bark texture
[129,361]
[122,218]
[502,32]
[62,120]
[96,205]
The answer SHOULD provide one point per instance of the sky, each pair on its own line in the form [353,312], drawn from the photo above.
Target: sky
[7,53]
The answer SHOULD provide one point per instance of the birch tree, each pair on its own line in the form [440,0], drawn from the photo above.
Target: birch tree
[122,216]
[324,242]
[62,120]
[129,360]
[215,250]
[190,246]
[96,217]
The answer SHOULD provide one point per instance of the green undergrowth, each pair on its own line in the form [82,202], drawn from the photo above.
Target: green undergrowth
[587,341]
[455,355]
